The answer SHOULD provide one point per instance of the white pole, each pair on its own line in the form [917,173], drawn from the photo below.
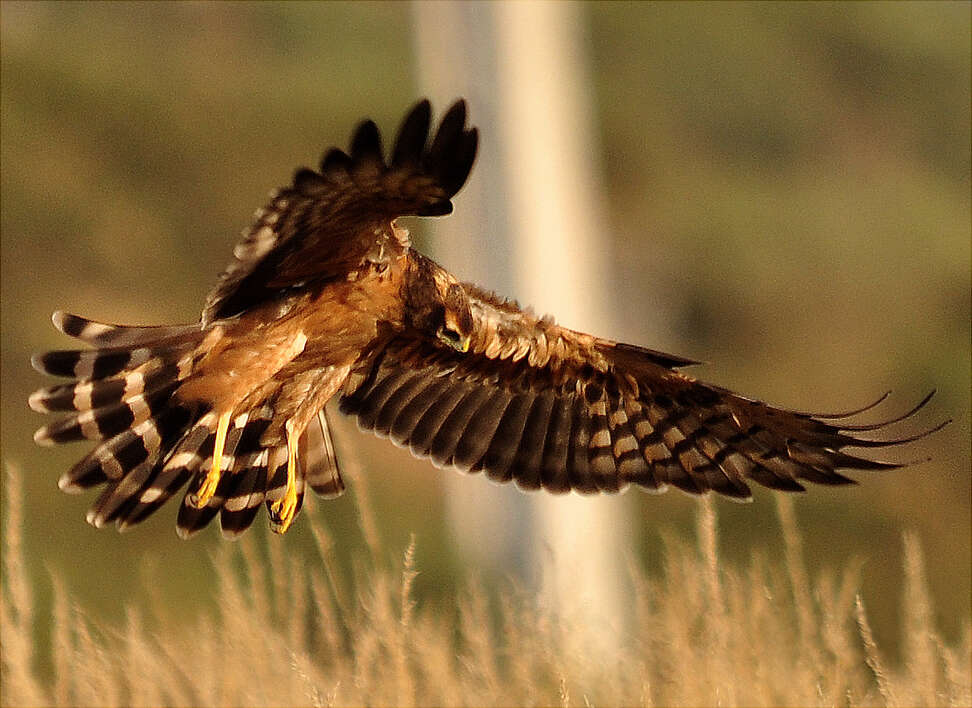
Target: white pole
[537,209]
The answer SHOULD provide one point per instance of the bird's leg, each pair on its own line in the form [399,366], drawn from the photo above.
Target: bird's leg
[283,510]
[208,487]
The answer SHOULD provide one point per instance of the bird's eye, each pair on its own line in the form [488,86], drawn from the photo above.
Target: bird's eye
[449,336]
[452,338]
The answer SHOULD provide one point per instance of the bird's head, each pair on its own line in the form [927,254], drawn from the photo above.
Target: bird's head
[456,323]
[437,304]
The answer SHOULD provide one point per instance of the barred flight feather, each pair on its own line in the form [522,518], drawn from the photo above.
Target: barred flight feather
[526,464]
[553,465]
[318,456]
[427,424]
[405,425]
[443,446]
[475,439]
[497,461]
[601,433]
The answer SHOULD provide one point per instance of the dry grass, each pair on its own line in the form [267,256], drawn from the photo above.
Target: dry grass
[287,633]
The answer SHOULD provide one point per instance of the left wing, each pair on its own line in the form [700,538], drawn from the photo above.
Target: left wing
[326,222]
[556,409]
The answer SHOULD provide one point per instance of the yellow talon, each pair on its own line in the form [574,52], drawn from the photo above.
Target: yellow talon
[284,509]
[208,487]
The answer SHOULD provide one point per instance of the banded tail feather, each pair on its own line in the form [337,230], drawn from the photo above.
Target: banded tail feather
[151,444]
[320,460]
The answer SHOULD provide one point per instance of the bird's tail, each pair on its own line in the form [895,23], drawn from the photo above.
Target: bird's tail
[151,443]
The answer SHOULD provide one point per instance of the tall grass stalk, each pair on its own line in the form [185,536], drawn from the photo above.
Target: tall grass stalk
[285,633]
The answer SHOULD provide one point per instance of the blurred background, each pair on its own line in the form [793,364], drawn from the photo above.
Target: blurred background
[780,190]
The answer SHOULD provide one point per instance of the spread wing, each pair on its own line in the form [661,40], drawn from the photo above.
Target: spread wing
[552,408]
[326,222]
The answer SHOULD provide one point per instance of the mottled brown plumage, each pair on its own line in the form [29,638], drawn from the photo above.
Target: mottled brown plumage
[325,297]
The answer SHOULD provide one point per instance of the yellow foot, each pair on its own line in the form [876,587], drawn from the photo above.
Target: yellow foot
[283,510]
[208,487]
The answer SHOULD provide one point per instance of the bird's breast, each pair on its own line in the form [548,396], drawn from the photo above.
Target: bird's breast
[346,317]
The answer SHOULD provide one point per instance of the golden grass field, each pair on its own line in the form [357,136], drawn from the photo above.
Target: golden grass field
[289,633]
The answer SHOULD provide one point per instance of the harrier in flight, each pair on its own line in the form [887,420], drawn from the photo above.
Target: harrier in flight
[326,297]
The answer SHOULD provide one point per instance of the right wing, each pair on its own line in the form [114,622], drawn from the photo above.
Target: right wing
[551,408]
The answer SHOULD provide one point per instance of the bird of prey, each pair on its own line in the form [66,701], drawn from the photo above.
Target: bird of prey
[326,297]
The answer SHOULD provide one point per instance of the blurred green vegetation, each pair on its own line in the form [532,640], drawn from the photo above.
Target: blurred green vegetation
[798,173]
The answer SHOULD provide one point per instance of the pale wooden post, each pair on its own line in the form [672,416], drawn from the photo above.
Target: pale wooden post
[531,225]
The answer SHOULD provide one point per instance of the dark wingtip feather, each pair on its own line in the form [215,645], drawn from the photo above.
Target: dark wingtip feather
[736,494]
[308,182]
[453,149]
[450,128]
[849,414]
[413,135]
[852,462]
[877,426]
[767,478]
[456,171]
[634,356]
[335,163]
[366,144]
[850,441]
